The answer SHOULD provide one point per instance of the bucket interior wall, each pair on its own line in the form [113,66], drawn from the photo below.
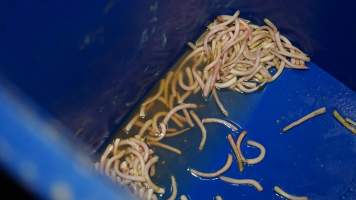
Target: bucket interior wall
[90,62]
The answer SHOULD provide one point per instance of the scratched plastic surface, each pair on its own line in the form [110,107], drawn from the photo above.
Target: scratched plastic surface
[317,158]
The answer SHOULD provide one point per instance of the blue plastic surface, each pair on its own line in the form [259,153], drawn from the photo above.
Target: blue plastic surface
[316,158]
[33,150]
[77,58]
[88,63]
